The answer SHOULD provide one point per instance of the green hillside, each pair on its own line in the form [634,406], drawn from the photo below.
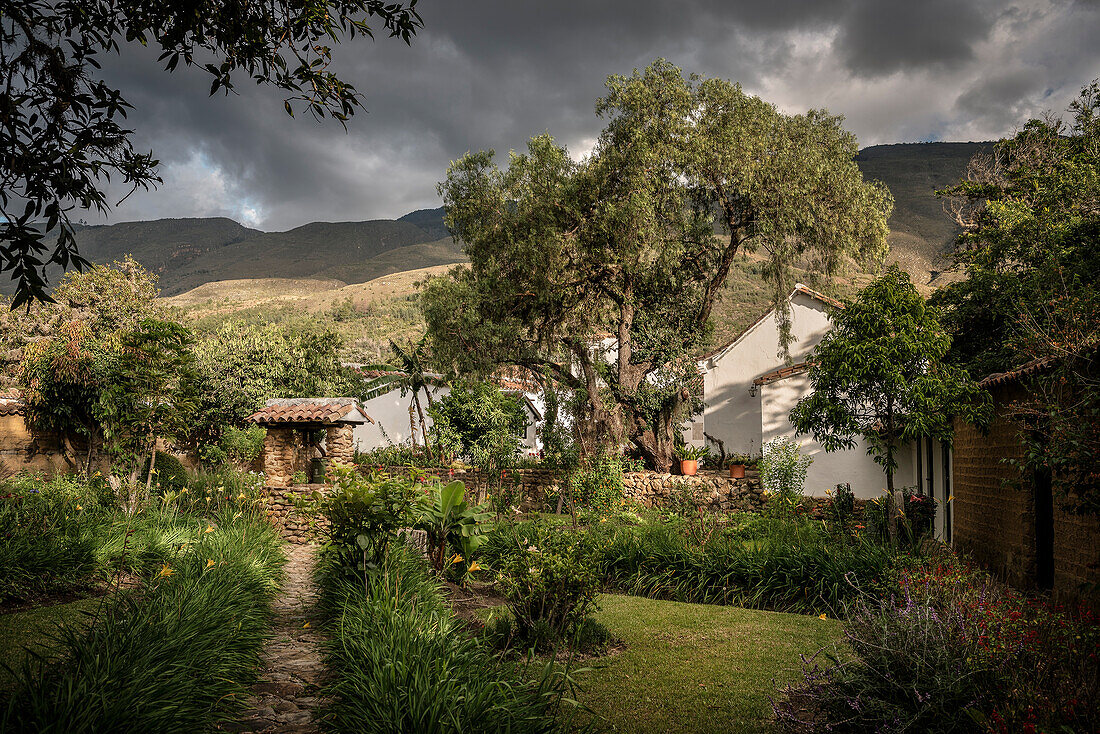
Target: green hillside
[186,253]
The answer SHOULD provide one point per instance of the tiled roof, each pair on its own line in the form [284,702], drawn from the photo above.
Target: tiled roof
[325,411]
[9,406]
[783,373]
[1033,367]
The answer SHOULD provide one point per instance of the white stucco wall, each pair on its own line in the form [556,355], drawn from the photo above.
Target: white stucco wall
[731,413]
[391,421]
[854,466]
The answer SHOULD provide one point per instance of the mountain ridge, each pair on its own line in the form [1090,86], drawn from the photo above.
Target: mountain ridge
[187,252]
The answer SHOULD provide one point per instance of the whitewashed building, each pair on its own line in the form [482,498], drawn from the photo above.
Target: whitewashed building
[749,388]
[391,426]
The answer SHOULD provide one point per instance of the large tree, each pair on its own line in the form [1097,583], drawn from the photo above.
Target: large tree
[62,126]
[1030,248]
[602,274]
[878,375]
[1030,221]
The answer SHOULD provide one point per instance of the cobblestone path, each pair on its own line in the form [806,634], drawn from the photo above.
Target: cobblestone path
[287,693]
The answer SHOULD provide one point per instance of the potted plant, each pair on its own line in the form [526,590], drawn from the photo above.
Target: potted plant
[738,463]
[689,458]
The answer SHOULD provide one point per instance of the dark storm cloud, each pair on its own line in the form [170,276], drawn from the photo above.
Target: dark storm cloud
[885,37]
[491,74]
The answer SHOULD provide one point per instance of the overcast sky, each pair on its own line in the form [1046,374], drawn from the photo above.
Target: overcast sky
[491,74]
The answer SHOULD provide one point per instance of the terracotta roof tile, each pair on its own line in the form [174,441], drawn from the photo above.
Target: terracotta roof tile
[325,411]
[783,373]
[11,407]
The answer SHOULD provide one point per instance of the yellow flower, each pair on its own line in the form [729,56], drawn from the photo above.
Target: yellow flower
[456,558]
[305,625]
[240,496]
[209,529]
[209,562]
[165,571]
[79,507]
[474,567]
[951,498]
[823,617]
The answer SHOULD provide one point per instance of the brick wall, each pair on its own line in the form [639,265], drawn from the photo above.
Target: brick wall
[994,509]
[993,518]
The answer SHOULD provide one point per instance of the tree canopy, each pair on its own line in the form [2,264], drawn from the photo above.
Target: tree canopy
[1030,241]
[62,127]
[879,375]
[602,274]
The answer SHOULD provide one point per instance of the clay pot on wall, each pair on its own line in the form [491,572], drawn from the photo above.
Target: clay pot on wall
[737,471]
[689,467]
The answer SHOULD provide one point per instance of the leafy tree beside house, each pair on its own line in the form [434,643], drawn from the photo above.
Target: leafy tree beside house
[1030,247]
[879,375]
[478,421]
[636,241]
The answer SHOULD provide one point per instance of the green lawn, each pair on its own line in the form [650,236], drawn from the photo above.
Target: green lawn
[31,630]
[695,667]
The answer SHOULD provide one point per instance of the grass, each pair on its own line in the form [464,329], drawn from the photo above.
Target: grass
[31,632]
[694,667]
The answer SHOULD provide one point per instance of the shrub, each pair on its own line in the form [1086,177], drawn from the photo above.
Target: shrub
[170,472]
[952,653]
[842,505]
[783,468]
[175,658]
[598,484]
[401,663]
[243,445]
[363,513]
[550,585]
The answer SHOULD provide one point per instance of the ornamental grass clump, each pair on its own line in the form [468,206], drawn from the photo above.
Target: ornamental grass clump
[951,652]
[401,662]
[176,656]
[789,565]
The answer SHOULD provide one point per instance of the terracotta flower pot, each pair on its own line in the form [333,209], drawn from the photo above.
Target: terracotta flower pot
[737,471]
[689,467]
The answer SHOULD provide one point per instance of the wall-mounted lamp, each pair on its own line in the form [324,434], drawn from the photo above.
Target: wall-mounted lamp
[752,390]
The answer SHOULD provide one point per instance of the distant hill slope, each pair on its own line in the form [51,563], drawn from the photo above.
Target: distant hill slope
[186,253]
[920,231]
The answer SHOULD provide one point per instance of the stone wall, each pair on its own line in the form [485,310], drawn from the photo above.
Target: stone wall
[714,491]
[283,456]
[280,511]
[530,487]
[340,444]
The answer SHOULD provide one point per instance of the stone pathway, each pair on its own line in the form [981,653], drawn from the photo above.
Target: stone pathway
[287,693]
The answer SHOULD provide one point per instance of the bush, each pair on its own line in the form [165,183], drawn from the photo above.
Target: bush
[953,653]
[550,585]
[783,470]
[243,445]
[170,472]
[598,484]
[176,658]
[363,513]
[401,663]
